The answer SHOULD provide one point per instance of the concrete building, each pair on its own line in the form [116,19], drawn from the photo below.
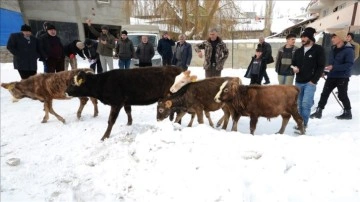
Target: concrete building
[69,16]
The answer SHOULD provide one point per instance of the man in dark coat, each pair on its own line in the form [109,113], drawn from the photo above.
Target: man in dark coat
[38,36]
[308,65]
[145,52]
[183,53]
[267,56]
[165,48]
[25,50]
[52,50]
[93,56]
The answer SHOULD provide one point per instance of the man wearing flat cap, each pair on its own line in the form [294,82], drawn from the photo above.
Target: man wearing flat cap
[106,45]
[308,65]
[341,60]
[25,50]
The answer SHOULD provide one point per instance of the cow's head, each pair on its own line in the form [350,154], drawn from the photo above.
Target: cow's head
[227,90]
[181,80]
[14,90]
[163,109]
[78,87]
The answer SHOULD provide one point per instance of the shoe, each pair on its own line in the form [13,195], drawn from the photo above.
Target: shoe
[317,114]
[266,82]
[346,115]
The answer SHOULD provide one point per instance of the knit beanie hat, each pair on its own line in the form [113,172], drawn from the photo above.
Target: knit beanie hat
[341,34]
[80,45]
[25,28]
[50,26]
[309,33]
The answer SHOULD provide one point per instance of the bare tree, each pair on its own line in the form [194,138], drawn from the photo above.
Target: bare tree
[270,4]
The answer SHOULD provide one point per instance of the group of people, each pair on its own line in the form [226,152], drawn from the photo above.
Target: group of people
[48,48]
[305,64]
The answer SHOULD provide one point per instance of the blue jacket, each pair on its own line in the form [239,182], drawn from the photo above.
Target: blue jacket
[341,62]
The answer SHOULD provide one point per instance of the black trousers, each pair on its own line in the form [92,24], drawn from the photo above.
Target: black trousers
[26,74]
[145,64]
[212,72]
[265,76]
[97,65]
[342,85]
[55,65]
[166,61]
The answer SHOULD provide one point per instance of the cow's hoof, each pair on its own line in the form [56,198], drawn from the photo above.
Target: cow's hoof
[43,121]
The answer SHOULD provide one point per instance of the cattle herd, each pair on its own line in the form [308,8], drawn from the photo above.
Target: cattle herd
[174,91]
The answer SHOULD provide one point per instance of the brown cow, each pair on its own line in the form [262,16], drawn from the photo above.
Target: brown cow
[194,98]
[265,101]
[45,88]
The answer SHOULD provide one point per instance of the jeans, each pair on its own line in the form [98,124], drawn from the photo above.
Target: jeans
[305,100]
[124,63]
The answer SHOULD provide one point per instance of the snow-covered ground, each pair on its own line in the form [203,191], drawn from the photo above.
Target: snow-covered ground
[154,161]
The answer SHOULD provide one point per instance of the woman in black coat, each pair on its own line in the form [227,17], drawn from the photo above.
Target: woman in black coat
[25,49]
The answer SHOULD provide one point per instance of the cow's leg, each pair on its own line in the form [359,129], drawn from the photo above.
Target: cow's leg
[207,114]
[83,101]
[285,120]
[299,121]
[200,115]
[253,122]
[192,119]
[220,121]
[128,113]
[46,109]
[51,110]
[95,103]
[114,113]
[236,118]
[226,117]
[179,116]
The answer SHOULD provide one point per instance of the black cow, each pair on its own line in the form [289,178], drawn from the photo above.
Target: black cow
[118,88]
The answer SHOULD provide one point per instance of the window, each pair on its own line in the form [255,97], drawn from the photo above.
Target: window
[103,1]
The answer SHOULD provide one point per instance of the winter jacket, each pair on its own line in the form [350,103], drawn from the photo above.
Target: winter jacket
[90,52]
[356,49]
[165,47]
[283,61]
[25,52]
[248,73]
[311,65]
[107,49]
[125,49]
[266,52]
[221,54]
[145,52]
[51,47]
[341,62]
[72,49]
[186,55]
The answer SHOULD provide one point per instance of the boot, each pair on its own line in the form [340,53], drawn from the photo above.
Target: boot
[346,115]
[317,114]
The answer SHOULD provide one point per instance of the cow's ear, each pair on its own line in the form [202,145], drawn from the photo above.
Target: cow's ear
[8,86]
[234,84]
[193,78]
[168,104]
[187,73]
[80,78]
